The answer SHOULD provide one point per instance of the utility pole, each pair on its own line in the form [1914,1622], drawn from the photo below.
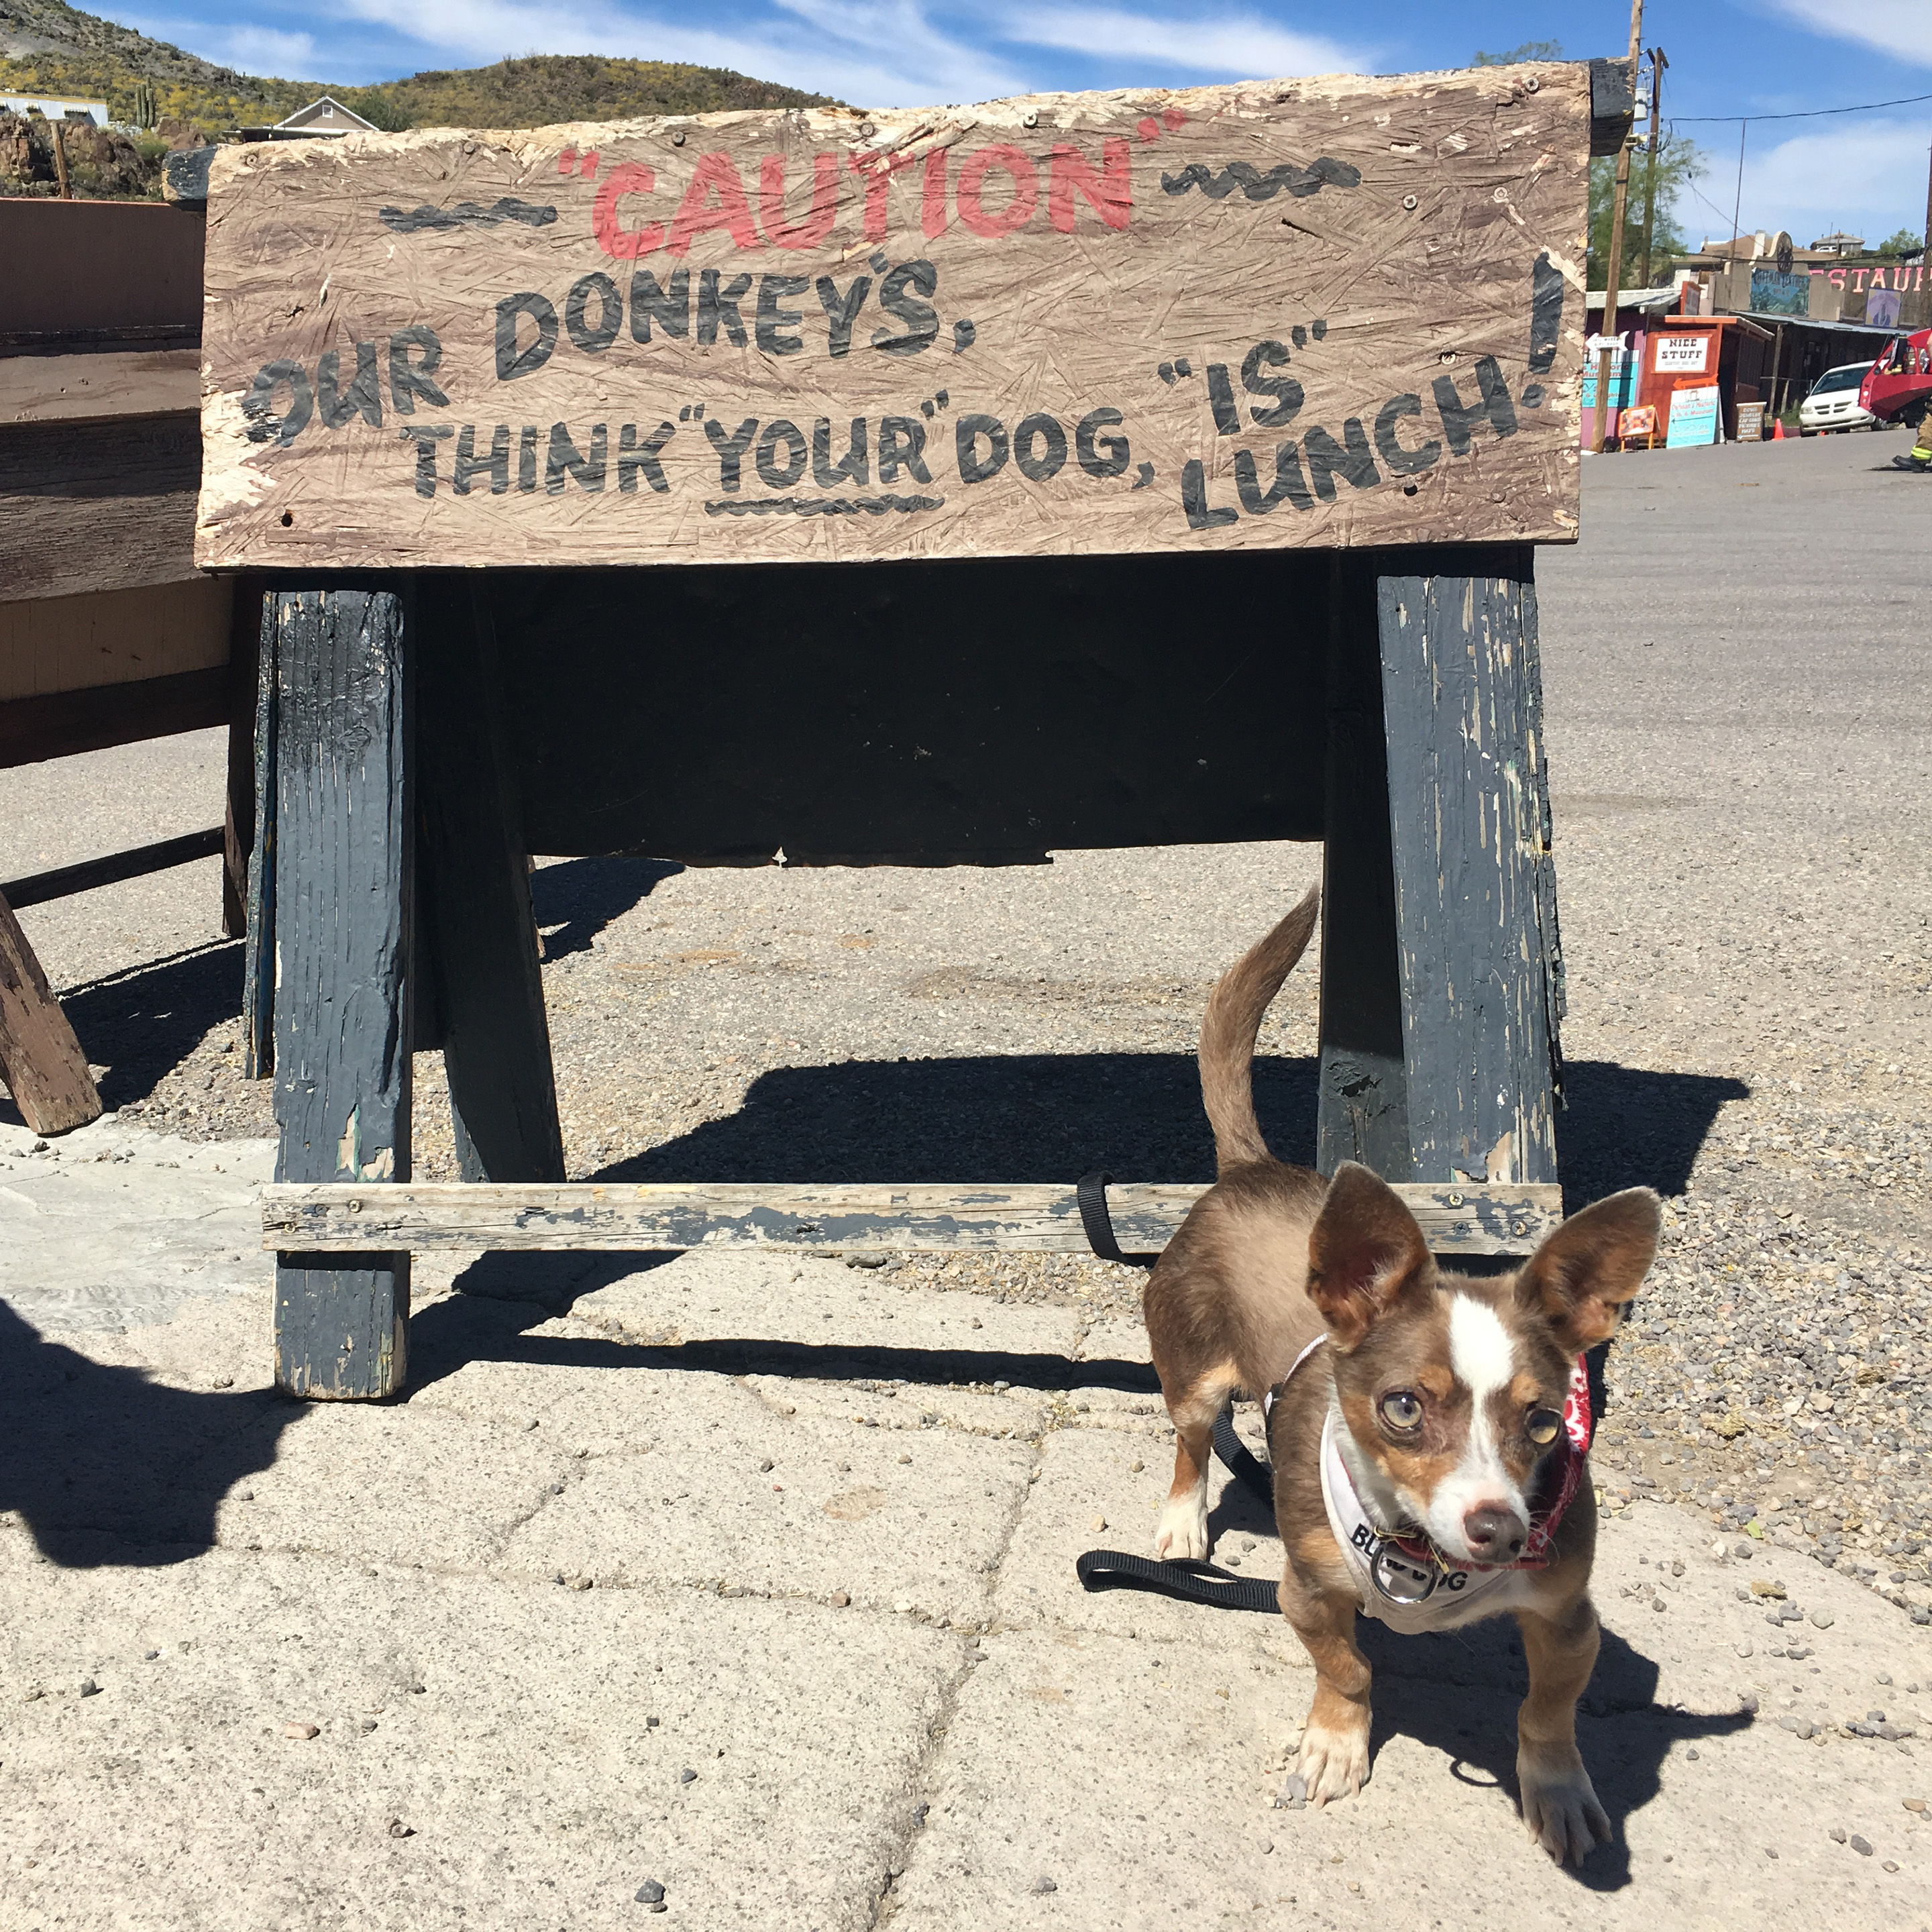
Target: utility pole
[1926,258]
[1658,64]
[1606,361]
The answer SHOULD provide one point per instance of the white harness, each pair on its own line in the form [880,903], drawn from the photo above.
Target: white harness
[1410,1590]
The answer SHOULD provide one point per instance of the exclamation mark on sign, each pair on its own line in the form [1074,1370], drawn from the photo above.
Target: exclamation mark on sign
[1546,323]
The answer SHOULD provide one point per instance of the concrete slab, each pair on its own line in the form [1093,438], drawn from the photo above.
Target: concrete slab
[1088,1495]
[1138,1777]
[114,1226]
[726,1492]
[527,1741]
[1113,1770]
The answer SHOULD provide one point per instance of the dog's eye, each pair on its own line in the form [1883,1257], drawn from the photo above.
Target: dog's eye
[1401,1410]
[1543,1425]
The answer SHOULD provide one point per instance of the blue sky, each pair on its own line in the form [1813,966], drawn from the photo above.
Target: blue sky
[1865,172]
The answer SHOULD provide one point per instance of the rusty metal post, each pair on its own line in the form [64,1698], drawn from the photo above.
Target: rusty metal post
[1606,358]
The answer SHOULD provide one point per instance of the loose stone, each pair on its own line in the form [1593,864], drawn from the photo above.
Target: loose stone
[301,1732]
[651,1893]
[1044,1884]
[1859,1845]
[687,1776]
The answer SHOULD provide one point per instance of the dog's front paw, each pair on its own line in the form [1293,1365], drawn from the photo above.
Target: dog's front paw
[1182,1532]
[1560,1806]
[1333,1763]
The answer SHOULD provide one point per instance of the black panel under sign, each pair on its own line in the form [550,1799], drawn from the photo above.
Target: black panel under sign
[943,711]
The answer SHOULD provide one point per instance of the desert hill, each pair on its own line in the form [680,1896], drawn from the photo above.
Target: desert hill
[47,47]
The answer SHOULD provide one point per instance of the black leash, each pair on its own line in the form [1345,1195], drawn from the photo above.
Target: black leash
[1090,1194]
[1246,1468]
[1192,1581]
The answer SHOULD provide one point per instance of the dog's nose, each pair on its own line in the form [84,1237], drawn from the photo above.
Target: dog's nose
[1495,1535]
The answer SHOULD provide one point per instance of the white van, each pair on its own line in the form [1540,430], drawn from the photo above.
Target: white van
[1833,402]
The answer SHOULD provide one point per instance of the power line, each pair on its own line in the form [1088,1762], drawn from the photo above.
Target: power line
[1804,113]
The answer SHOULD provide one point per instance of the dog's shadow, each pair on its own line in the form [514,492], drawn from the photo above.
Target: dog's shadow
[1457,1691]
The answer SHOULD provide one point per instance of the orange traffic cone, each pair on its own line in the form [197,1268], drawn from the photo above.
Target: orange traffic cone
[1777,429]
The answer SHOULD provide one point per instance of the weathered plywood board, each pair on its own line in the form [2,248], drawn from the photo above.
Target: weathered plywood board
[843,1218]
[1312,313]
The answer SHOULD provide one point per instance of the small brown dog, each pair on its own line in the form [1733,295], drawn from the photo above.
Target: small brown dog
[1428,1430]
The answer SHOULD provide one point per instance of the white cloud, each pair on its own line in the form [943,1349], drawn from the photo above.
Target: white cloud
[265,50]
[248,50]
[1239,46]
[940,66]
[1901,28]
[1869,178]
[878,53]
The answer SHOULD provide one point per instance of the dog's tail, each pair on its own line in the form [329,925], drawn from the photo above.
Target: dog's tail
[1228,1031]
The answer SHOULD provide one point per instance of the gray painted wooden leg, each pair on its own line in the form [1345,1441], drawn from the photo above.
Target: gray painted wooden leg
[1364,1112]
[1477,945]
[476,901]
[238,843]
[258,952]
[343,912]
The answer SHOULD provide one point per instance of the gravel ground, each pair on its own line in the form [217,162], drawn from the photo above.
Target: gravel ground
[1740,752]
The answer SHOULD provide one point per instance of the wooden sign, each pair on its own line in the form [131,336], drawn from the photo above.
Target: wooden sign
[1293,313]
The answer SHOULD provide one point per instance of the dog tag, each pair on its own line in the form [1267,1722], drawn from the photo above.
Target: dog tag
[1400,1578]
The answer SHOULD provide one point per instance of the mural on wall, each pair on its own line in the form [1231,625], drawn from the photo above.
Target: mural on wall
[1773,293]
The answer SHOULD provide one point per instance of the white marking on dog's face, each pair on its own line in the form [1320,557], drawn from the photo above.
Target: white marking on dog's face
[1482,1356]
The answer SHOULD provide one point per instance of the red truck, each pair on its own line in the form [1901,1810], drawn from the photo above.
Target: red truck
[1897,387]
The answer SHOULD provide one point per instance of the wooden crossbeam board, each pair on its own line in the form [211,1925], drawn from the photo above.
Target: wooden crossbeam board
[1286,313]
[343,1217]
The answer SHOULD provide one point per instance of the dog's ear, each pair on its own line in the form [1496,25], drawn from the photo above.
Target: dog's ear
[1365,1252]
[1579,1279]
